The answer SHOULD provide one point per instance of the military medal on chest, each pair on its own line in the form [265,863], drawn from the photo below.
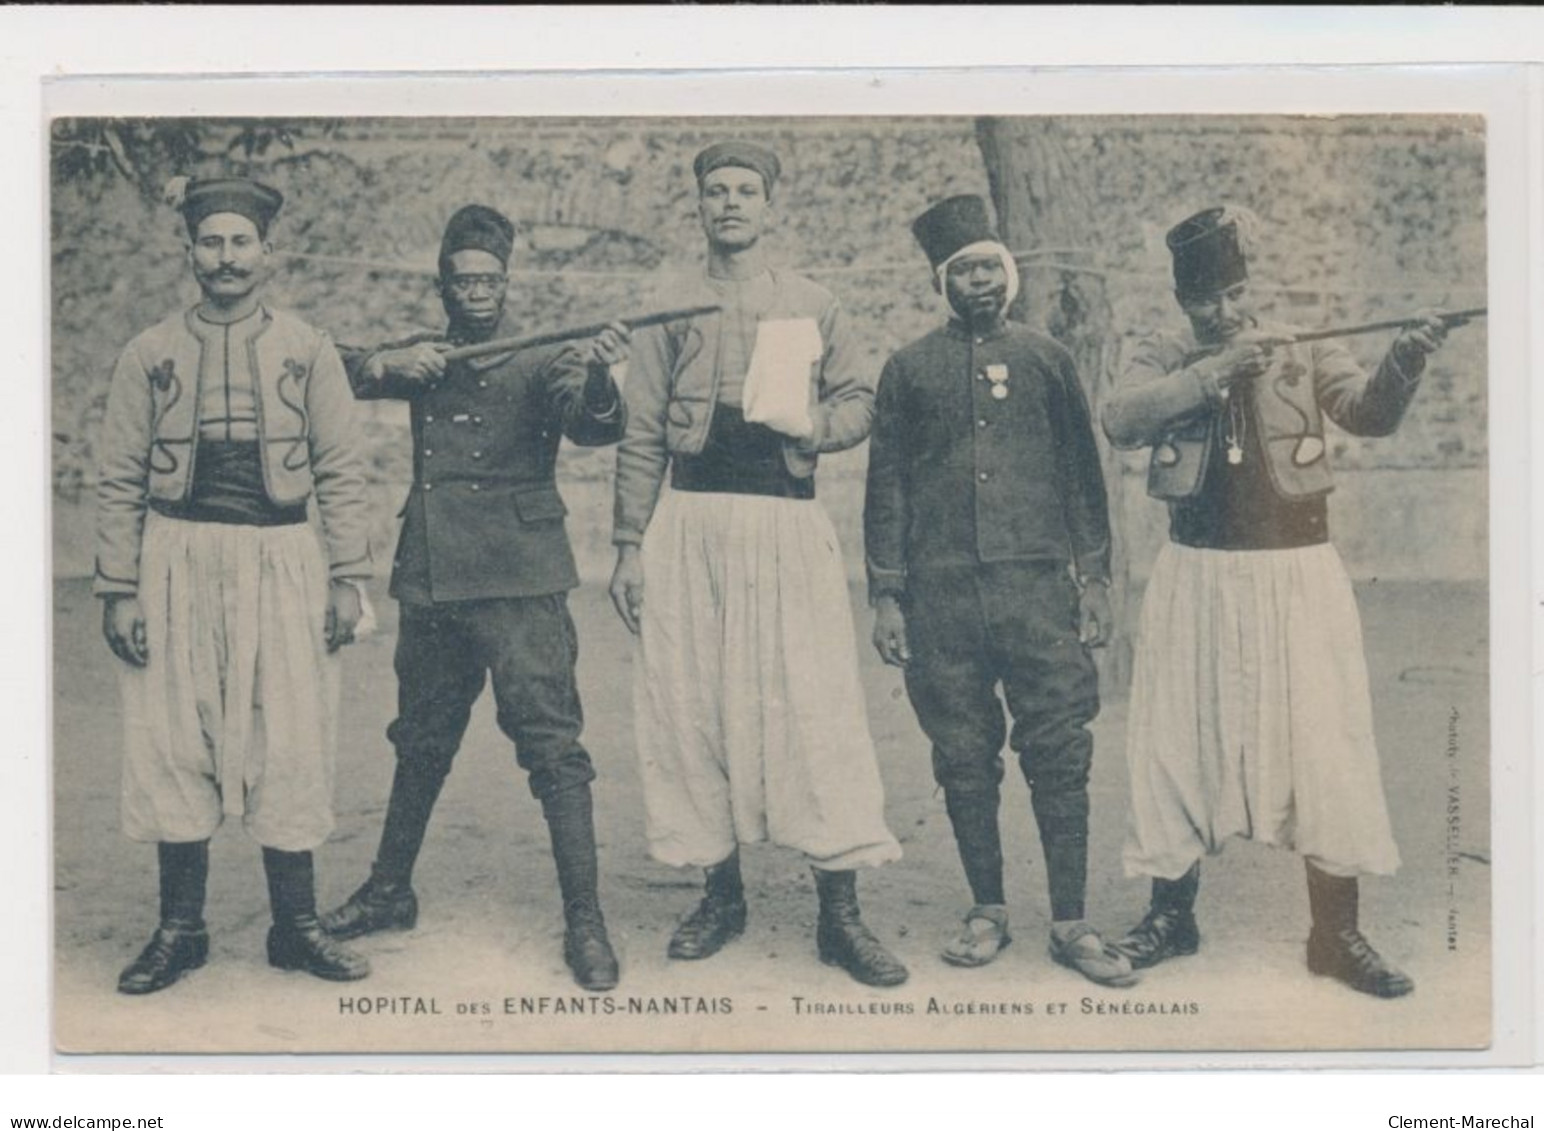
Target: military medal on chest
[997,375]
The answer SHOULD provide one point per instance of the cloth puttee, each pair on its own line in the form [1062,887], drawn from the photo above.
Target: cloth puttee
[1250,714]
[236,711]
[751,722]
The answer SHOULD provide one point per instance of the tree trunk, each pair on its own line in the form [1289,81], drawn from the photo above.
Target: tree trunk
[1047,217]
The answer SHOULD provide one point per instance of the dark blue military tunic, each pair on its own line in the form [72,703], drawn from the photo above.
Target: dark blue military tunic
[483,564]
[484,518]
[960,476]
[984,487]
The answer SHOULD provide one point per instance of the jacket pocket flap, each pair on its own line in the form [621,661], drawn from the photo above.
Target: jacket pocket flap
[539,504]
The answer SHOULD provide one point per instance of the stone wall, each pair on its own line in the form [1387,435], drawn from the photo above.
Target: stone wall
[1365,218]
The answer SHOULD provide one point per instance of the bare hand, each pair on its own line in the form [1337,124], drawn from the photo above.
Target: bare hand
[1096,619]
[343,613]
[123,626]
[890,633]
[1423,336]
[424,363]
[1242,361]
[627,587]
[610,347]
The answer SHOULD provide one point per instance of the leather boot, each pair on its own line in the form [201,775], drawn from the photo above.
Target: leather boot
[1337,949]
[842,940]
[301,944]
[376,905]
[184,873]
[719,918]
[296,941]
[386,902]
[180,943]
[586,946]
[1169,929]
[174,949]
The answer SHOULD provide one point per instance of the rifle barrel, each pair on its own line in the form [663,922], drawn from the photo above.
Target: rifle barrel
[1456,318]
[530,341]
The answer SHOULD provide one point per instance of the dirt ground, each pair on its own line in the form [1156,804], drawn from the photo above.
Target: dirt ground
[483,973]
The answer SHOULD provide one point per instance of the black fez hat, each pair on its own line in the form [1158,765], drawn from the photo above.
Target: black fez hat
[742,154]
[477,227]
[203,198]
[1208,255]
[952,224]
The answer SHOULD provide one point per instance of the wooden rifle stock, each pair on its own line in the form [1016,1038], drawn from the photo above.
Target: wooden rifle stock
[530,341]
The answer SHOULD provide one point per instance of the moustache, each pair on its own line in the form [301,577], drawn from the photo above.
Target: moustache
[227,273]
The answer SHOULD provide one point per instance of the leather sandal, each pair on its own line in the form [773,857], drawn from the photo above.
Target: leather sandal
[1084,951]
[981,939]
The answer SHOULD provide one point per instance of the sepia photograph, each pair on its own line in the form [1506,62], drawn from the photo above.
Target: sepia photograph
[770,584]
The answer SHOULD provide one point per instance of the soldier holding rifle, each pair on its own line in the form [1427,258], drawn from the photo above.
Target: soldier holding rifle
[482,573]
[1250,712]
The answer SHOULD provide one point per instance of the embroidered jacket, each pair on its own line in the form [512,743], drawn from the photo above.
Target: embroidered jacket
[1167,400]
[673,378]
[307,435]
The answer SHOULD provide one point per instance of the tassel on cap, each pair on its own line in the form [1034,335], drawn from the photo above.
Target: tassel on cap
[175,192]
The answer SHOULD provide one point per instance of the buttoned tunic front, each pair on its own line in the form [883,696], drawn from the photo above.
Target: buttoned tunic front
[984,485]
[961,476]
[484,518]
[483,564]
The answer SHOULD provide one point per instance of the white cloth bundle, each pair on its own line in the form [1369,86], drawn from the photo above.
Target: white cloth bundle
[777,383]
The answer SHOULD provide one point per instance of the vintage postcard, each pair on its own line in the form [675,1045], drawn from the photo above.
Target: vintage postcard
[996,583]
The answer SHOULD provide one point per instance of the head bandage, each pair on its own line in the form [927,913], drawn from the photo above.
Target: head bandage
[984,247]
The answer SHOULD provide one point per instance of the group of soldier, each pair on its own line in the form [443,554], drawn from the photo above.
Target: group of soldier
[987,544]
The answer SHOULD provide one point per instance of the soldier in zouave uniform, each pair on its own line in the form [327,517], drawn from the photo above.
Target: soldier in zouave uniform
[482,574]
[222,422]
[749,713]
[988,546]
[1250,714]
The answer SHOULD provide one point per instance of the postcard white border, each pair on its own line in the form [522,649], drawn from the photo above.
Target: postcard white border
[269,41]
